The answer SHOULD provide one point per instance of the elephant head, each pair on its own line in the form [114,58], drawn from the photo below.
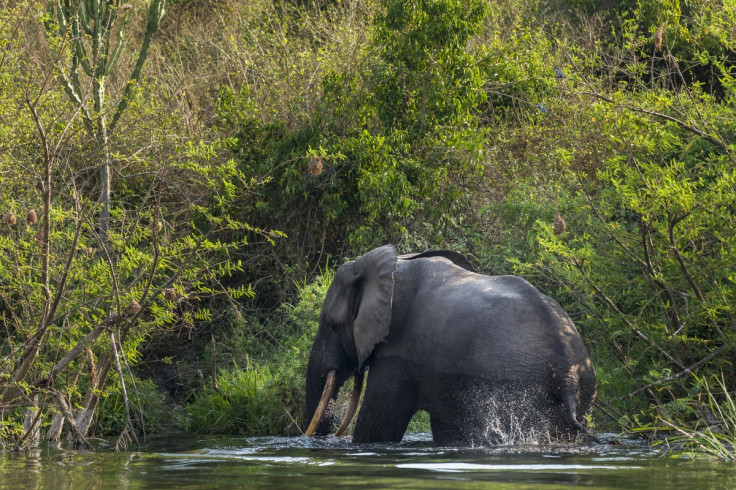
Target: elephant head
[355,317]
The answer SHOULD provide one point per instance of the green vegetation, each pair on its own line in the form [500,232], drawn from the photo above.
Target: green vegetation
[173,185]
[266,397]
[714,431]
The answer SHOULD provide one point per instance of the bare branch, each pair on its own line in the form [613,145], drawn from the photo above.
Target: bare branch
[75,351]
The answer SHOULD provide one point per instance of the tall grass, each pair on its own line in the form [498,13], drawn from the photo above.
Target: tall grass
[254,400]
[713,434]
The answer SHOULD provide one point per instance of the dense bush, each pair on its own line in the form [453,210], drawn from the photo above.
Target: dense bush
[86,281]
[646,264]
[392,139]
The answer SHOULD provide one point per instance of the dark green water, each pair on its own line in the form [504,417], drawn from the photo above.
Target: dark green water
[232,462]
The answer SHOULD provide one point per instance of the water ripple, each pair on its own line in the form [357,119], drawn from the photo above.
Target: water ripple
[453,467]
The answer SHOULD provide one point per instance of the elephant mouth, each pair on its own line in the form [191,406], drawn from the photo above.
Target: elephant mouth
[325,398]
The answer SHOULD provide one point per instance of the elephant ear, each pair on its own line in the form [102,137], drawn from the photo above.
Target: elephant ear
[375,272]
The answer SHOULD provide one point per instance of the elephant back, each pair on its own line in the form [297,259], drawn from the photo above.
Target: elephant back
[487,323]
[455,257]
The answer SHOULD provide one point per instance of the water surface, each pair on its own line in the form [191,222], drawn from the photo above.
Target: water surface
[300,462]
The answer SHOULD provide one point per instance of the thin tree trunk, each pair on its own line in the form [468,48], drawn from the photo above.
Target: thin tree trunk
[54,432]
[75,438]
[31,424]
[84,417]
[124,390]
[105,192]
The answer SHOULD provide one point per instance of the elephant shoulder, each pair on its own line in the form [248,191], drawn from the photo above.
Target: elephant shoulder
[455,257]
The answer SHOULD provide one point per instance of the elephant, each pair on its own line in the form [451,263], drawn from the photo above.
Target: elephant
[485,356]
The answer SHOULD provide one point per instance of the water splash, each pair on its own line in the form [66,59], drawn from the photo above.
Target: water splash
[521,417]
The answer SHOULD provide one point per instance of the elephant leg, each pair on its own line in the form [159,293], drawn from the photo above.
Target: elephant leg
[463,421]
[388,404]
[445,432]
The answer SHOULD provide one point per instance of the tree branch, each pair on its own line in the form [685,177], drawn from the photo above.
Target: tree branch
[682,124]
[631,326]
[126,402]
[684,372]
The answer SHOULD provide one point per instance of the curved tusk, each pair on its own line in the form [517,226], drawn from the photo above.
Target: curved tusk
[353,406]
[326,394]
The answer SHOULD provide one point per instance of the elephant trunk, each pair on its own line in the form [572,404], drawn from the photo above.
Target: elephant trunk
[324,399]
[353,406]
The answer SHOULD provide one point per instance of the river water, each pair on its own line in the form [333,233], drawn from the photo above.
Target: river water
[300,462]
